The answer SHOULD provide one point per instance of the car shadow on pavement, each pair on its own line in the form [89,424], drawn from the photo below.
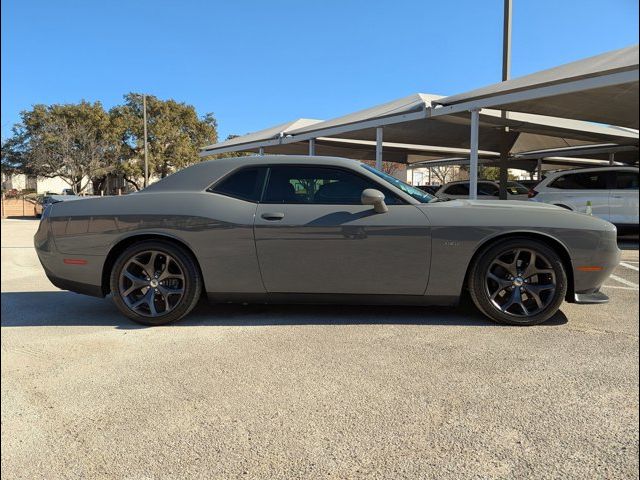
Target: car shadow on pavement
[61,308]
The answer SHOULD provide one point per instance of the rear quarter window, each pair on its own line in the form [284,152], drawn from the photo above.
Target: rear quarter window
[245,184]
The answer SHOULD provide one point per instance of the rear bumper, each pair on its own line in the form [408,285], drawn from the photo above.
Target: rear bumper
[77,287]
[80,278]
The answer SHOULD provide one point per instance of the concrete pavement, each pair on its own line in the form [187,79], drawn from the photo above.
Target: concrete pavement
[312,392]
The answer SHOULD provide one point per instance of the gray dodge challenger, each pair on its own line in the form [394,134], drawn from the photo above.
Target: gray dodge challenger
[289,229]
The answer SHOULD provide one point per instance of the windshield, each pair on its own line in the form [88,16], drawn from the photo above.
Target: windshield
[416,193]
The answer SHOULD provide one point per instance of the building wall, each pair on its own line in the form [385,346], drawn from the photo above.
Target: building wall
[41,184]
[55,185]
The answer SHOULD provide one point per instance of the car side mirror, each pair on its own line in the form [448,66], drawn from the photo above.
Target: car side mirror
[374,197]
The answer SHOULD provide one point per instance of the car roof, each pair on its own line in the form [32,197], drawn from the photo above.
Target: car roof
[623,168]
[63,198]
[457,182]
[199,176]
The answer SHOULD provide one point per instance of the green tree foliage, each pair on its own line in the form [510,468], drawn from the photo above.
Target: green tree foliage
[67,141]
[82,141]
[175,134]
[492,173]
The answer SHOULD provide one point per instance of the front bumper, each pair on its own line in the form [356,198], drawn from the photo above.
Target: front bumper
[590,298]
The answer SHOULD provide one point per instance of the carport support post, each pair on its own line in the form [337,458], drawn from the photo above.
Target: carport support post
[504,167]
[473,157]
[506,73]
[379,148]
[312,146]
[539,169]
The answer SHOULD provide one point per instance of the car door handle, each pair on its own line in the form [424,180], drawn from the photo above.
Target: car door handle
[616,196]
[273,216]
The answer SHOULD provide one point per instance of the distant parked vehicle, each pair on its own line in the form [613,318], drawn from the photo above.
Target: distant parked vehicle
[487,190]
[47,200]
[611,191]
[530,184]
[430,189]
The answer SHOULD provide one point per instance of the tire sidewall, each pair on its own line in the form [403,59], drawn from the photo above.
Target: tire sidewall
[192,282]
[480,295]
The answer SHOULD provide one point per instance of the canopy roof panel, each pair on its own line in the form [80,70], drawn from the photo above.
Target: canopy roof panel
[266,135]
[602,89]
[415,103]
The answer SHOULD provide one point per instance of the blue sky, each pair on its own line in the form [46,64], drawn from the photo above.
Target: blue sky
[258,63]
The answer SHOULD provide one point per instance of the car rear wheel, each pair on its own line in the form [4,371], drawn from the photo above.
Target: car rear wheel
[155,282]
[518,282]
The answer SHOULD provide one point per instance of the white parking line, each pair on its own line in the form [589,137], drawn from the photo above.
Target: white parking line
[624,281]
[620,288]
[632,267]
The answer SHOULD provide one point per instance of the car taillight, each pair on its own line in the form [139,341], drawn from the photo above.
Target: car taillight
[532,193]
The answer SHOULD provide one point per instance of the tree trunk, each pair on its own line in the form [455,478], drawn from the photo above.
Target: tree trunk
[98,184]
[131,182]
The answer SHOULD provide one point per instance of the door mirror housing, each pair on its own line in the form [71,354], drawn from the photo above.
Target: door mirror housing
[374,197]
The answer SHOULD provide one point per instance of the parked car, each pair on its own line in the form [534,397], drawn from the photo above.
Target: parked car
[530,184]
[612,192]
[42,203]
[430,189]
[296,229]
[487,190]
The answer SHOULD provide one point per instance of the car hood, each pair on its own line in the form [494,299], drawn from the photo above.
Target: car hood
[511,213]
[500,204]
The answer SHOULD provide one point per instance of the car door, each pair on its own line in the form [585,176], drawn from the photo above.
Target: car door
[313,235]
[624,197]
[576,189]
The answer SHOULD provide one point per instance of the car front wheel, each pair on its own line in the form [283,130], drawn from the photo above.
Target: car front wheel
[518,282]
[155,282]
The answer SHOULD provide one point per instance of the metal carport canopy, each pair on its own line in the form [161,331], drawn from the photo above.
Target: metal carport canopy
[407,121]
[602,89]
[256,140]
[522,164]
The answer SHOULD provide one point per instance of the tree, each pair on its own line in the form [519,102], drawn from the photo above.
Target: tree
[444,173]
[67,141]
[175,134]
[387,167]
[492,173]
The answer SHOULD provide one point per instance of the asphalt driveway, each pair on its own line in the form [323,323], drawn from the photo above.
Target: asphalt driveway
[312,392]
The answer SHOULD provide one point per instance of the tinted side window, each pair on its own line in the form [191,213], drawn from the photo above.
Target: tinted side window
[319,185]
[458,189]
[245,184]
[487,189]
[626,181]
[582,181]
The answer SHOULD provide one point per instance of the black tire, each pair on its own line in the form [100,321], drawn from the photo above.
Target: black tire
[188,281]
[493,287]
